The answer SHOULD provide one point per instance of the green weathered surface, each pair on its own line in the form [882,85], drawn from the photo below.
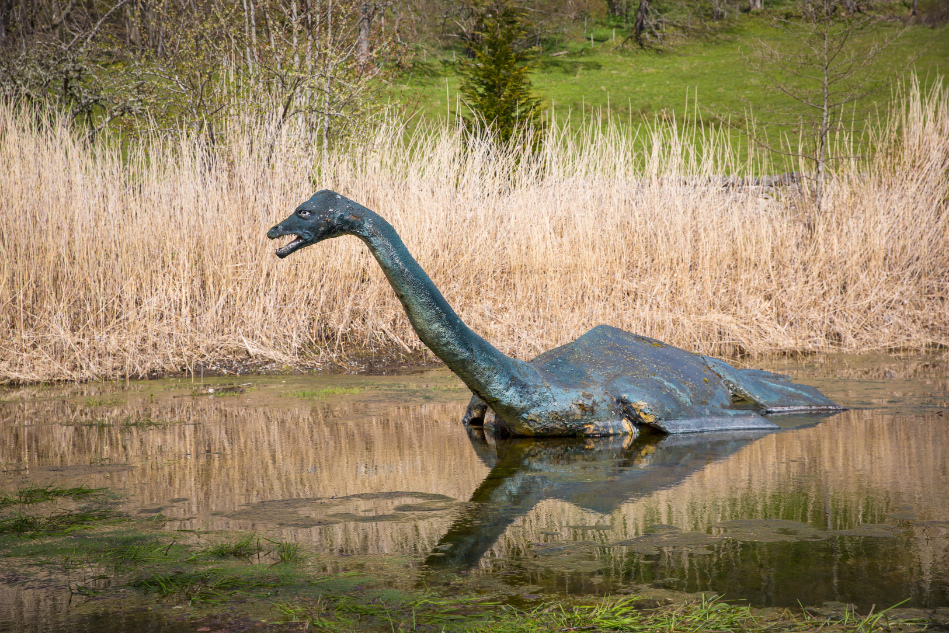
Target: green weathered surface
[607,382]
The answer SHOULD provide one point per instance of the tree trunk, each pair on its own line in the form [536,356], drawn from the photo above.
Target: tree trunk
[824,125]
[639,26]
[914,12]
[362,42]
[250,60]
[617,7]
[161,30]
[148,14]
[327,102]
[755,5]
[3,20]
[131,25]
[253,27]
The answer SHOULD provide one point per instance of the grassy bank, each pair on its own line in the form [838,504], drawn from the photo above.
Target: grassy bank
[610,78]
[156,260]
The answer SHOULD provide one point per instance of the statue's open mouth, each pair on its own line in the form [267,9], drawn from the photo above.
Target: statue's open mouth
[291,246]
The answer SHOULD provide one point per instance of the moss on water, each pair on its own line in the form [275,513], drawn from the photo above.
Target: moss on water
[322,393]
[265,584]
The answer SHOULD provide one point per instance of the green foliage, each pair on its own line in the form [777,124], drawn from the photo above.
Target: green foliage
[496,84]
[244,548]
[628,614]
[212,586]
[286,552]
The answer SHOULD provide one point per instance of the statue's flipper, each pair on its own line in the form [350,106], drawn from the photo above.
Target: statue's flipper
[772,392]
[665,413]
[729,421]
[474,414]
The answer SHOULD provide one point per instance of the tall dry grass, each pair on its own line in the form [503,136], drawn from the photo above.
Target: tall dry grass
[120,265]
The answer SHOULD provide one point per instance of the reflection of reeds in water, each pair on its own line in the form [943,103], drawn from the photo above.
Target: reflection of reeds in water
[32,604]
[220,457]
[855,468]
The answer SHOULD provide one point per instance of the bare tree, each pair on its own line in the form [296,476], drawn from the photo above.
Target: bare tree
[821,70]
[657,23]
[642,24]
[365,22]
[617,8]
[4,8]
[315,62]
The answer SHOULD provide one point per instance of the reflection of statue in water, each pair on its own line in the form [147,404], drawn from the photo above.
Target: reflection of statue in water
[526,471]
[604,383]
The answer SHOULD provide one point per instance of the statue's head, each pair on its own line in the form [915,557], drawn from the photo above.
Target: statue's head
[327,214]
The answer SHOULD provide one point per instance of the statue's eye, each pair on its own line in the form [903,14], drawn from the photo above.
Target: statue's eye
[303,213]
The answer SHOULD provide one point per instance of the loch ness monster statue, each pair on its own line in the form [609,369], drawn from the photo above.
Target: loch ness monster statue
[607,382]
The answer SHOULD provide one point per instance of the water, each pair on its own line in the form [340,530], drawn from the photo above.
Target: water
[365,471]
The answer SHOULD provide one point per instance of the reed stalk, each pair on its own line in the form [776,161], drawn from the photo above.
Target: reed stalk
[153,259]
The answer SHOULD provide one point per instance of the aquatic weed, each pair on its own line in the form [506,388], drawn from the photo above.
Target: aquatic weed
[211,586]
[30,495]
[310,616]
[34,526]
[625,614]
[322,393]
[143,423]
[144,551]
[98,423]
[244,548]
[286,552]
[387,610]
[872,621]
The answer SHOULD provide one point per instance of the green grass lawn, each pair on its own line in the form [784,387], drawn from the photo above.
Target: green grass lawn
[628,83]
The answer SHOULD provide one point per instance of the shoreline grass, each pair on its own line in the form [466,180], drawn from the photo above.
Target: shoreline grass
[612,613]
[154,261]
[166,572]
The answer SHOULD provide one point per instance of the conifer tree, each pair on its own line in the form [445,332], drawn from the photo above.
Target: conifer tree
[496,83]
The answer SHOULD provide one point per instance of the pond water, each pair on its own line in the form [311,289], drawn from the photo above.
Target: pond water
[360,470]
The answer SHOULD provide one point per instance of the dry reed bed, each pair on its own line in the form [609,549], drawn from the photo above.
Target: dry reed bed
[113,267]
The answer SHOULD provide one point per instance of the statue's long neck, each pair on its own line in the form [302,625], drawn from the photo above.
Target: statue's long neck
[483,368]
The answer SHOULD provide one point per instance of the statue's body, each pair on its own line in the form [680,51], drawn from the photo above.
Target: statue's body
[607,382]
